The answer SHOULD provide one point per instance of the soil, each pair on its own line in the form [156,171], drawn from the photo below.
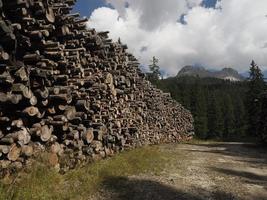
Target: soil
[210,171]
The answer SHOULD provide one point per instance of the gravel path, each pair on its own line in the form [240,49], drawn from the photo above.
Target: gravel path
[210,171]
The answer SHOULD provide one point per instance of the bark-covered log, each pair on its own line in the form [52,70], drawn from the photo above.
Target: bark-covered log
[72,91]
[14,153]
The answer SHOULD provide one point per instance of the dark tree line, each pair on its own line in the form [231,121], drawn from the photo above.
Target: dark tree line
[217,105]
[221,108]
[256,101]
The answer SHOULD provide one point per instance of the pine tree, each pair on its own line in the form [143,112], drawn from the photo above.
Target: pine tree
[228,117]
[154,74]
[263,119]
[212,111]
[199,111]
[212,116]
[215,117]
[256,88]
[239,111]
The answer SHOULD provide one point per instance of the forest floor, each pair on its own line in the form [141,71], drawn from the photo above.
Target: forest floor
[207,170]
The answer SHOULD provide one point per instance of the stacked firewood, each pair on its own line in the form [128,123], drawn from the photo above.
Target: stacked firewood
[72,92]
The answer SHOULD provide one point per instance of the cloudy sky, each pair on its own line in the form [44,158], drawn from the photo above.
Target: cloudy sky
[210,33]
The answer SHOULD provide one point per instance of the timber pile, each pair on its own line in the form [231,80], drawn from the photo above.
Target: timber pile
[73,92]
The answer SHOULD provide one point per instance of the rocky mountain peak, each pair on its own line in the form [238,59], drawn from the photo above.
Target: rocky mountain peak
[226,73]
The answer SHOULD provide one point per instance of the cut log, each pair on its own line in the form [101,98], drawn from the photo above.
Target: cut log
[88,135]
[50,17]
[7,140]
[25,91]
[14,153]
[3,56]
[4,149]
[17,123]
[82,105]
[56,149]
[31,111]
[27,150]
[70,112]
[46,133]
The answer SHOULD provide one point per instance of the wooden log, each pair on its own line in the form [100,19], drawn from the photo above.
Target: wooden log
[46,133]
[50,16]
[4,149]
[31,111]
[3,97]
[4,164]
[27,150]
[1,134]
[56,148]
[14,153]
[33,101]
[4,56]
[70,112]
[20,88]
[32,57]
[43,93]
[7,140]
[97,146]
[34,35]
[17,123]
[88,135]
[61,98]
[22,74]
[61,118]
[22,136]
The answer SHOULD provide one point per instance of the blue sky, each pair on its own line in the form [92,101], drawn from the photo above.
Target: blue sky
[86,7]
[209,3]
[215,38]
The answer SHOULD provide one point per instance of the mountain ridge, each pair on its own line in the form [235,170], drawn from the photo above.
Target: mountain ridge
[225,74]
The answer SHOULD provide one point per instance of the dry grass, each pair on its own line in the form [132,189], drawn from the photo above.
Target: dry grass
[42,183]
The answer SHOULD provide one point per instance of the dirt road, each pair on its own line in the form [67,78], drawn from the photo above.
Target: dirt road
[219,171]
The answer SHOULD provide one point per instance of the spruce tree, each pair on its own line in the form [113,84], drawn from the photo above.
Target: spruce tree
[263,119]
[199,110]
[154,74]
[215,117]
[228,117]
[239,111]
[256,88]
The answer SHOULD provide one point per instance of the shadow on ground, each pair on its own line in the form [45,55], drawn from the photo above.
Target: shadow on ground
[252,153]
[248,177]
[123,188]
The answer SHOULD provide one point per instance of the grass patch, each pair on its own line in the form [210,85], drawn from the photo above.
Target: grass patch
[43,183]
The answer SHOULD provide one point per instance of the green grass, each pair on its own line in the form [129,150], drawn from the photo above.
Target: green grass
[43,183]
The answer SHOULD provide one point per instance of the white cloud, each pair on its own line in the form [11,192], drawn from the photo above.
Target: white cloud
[229,36]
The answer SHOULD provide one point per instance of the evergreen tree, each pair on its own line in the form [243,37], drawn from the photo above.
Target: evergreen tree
[215,117]
[256,88]
[216,105]
[263,119]
[199,111]
[228,117]
[240,116]
[154,74]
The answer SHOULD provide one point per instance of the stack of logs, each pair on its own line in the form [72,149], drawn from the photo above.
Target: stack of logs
[71,91]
